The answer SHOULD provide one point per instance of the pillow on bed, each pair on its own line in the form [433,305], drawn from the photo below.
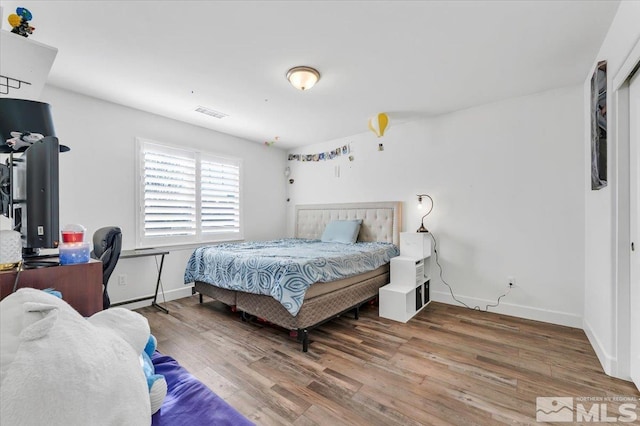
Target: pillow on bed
[342,231]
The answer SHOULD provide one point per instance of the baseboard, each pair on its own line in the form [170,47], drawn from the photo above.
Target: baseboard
[520,311]
[608,362]
[169,295]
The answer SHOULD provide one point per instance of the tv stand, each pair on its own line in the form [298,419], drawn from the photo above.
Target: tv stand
[80,284]
[35,263]
[53,256]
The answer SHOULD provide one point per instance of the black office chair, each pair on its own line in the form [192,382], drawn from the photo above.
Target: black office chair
[107,243]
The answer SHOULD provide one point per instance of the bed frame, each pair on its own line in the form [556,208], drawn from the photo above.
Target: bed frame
[380,222]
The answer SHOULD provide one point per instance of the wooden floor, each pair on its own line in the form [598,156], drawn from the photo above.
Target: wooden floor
[448,365]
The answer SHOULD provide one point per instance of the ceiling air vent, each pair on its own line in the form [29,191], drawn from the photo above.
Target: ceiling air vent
[211,112]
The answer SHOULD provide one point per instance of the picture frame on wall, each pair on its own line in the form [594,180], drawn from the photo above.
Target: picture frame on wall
[599,126]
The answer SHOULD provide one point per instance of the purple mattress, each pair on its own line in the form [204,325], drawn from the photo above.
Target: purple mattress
[189,401]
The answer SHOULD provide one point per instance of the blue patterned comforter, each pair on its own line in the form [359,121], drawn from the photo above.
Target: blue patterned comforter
[284,269]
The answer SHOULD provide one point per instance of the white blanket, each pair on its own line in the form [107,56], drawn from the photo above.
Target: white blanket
[58,368]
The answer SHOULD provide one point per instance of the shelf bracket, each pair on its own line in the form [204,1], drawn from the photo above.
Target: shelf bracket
[7,83]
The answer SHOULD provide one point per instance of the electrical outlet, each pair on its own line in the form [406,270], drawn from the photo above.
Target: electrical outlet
[122,279]
[511,281]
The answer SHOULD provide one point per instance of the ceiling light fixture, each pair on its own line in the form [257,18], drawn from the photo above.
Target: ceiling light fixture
[303,78]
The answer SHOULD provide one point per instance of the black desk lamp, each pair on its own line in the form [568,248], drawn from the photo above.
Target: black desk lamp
[422,228]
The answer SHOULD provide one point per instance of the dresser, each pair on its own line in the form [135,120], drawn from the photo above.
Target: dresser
[80,284]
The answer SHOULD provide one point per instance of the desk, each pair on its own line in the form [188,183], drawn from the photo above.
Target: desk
[80,284]
[130,254]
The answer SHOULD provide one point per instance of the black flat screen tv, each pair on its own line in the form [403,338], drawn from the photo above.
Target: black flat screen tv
[36,196]
[33,174]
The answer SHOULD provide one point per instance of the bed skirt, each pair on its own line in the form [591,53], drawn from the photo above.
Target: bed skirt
[314,311]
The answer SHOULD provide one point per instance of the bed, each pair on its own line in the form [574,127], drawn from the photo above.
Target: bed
[321,301]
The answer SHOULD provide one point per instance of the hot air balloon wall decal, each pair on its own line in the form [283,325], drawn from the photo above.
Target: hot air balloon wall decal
[378,124]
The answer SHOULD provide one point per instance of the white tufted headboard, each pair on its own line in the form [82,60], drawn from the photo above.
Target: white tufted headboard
[380,221]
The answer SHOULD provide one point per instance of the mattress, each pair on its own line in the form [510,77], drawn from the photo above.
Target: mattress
[318,289]
[230,297]
[284,269]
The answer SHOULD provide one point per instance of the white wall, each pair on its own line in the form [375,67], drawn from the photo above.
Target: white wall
[97,180]
[605,320]
[507,180]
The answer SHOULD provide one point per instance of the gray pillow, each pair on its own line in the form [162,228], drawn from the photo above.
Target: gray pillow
[342,231]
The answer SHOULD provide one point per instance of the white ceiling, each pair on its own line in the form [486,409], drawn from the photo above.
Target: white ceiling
[411,59]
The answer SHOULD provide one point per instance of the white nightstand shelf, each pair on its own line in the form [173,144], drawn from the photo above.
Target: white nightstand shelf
[408,292]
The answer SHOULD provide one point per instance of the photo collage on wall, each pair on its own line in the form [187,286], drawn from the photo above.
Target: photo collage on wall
[323,156]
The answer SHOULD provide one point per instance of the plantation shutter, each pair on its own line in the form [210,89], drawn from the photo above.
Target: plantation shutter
[220,195]
[185,196]
[169,180]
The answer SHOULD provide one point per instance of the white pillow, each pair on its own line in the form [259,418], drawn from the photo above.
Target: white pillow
[342,231]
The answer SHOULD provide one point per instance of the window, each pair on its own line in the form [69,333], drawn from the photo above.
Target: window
[186,196]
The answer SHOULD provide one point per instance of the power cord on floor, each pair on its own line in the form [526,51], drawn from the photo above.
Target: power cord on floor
[475,308]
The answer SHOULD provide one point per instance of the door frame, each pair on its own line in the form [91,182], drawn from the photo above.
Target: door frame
[622,212]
